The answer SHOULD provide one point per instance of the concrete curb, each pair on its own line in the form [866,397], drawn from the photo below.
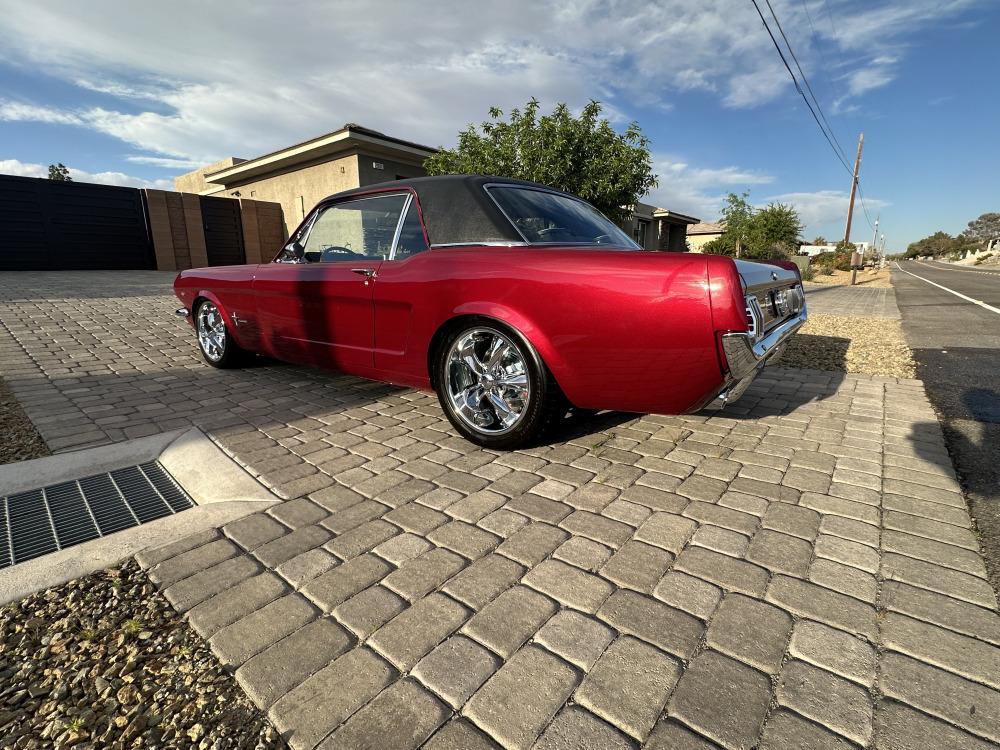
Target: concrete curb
[222,490]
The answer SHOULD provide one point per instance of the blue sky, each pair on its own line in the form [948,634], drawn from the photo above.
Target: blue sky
[129,94]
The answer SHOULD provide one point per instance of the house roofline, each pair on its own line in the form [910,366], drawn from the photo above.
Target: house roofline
[663,213]
[348,137]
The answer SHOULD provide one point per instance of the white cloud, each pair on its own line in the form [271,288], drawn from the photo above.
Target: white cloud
[699,191]
[198,82]
[826,210]
[27,169]
[165,162]
[23,112]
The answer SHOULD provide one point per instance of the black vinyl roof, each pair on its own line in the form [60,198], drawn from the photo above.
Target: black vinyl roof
[456,208]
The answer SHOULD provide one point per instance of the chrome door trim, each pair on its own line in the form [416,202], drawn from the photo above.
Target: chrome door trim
[399,226]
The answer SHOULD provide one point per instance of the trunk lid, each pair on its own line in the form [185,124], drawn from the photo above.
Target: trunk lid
[773,294]
[764,276]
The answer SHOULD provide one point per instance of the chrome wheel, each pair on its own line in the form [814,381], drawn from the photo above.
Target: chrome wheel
[487,381]
[211,331]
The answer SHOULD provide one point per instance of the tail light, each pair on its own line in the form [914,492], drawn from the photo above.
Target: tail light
[755,316]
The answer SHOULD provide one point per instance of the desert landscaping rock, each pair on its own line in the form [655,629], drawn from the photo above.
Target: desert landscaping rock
[104,662]
[873,346]
[21,440]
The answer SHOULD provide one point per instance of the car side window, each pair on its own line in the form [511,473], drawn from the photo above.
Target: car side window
[354,230]
[411,235]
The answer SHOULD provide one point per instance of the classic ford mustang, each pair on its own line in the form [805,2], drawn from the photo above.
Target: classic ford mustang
[514,301]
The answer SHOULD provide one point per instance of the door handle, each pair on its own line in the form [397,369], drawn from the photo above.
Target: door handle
[366,272]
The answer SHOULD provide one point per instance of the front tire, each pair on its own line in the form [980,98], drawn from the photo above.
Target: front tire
[217,345]
[494,387]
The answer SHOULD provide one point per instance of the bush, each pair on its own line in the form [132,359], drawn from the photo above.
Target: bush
[808,274]
[719,246]
[840,261]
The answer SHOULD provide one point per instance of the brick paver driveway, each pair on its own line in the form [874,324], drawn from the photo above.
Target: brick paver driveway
[859,301]
[799,572]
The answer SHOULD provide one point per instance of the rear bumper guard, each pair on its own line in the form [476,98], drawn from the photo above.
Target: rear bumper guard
[746,357]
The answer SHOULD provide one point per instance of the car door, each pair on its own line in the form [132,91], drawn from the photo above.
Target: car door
[315,302]
[401,284]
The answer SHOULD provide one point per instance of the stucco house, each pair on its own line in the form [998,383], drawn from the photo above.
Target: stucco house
[658,228]
[699,235]
[300,176]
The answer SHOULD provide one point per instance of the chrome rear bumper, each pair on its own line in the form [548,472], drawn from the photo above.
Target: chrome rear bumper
[747,357]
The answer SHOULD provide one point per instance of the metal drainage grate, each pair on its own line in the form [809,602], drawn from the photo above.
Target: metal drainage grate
[37,522]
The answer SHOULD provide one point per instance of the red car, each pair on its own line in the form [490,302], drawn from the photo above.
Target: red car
[513,301]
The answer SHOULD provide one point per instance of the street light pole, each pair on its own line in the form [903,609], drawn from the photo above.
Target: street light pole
[874,237]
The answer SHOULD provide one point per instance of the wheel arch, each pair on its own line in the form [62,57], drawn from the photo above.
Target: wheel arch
[517,324]
[206,295]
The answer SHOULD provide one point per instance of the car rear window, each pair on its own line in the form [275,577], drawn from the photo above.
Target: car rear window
[544,217]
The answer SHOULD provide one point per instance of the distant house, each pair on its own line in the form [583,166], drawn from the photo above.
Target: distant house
[300,176]
[812,250]
[657,228]
[698,235]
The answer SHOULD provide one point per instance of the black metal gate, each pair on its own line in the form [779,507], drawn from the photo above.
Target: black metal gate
[48,226]
[223,231]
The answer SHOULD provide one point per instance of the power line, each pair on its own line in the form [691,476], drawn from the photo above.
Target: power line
[819,47]
[805,80]
[798,88]
[824,126]
[864,206]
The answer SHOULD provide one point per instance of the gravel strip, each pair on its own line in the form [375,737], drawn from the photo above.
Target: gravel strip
[870,346]
[19,440]
[878,280]
[104,662]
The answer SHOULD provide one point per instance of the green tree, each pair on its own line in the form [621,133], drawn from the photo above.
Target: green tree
[774,232]
[769,232]
[937,244]
[982,230]
[59,173]
[736,217]
[820,240]
[582,155]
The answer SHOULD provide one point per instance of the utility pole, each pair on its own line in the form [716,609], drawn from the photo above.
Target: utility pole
[850,206]
[874,238]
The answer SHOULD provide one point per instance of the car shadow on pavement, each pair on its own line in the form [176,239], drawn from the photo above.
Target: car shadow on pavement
[972,436]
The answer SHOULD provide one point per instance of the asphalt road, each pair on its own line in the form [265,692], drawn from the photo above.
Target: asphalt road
[956,343]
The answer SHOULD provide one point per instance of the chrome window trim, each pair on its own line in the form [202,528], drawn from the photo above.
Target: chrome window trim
[320,210]
[488,185]
[399,226]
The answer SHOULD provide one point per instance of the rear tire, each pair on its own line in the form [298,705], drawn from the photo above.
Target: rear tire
[494,387]
[217,345]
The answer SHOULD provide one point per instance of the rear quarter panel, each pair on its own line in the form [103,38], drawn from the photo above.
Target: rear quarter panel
[630,331]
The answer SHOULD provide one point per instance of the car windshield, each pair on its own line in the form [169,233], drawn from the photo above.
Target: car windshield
[541,216]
